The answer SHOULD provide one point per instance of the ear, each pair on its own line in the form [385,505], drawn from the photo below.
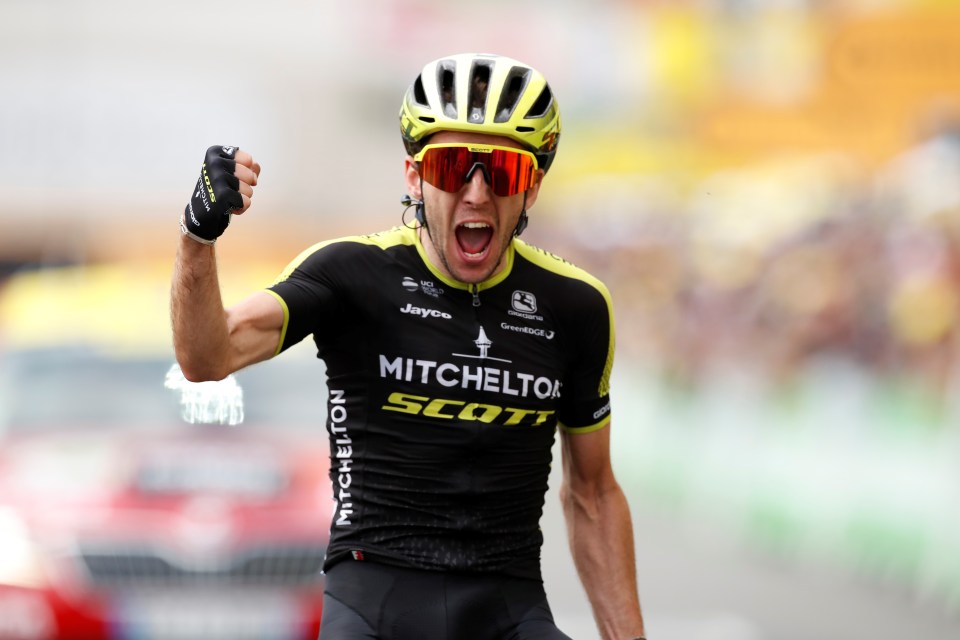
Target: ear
[534,191]
[412,177]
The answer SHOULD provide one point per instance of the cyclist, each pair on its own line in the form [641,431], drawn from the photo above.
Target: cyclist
[454,351]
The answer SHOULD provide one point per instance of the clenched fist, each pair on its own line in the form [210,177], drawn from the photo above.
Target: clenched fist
[225,187]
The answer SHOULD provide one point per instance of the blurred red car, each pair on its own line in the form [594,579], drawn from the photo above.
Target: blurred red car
[120,520]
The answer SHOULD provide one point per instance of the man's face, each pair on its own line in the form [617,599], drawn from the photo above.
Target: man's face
[469,231]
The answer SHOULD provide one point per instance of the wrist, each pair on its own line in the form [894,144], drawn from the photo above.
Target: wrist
[185,231]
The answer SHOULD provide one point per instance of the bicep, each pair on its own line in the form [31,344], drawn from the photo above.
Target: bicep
[586,459]
[255,325]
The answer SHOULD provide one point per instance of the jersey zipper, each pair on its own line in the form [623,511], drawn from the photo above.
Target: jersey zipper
[475,291]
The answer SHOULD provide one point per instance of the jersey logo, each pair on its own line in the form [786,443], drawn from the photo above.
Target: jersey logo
[524,302]
[453,409]
[480,377]
[524,305]
[483,344]
[427,286]
[424,313]
[530,331]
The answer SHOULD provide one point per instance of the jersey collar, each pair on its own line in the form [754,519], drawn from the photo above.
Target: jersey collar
[456,284]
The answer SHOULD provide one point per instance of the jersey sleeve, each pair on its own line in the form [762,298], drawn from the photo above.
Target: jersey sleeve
[585,398]
[306,289]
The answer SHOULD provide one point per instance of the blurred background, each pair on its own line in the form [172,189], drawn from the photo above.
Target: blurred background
[770,188]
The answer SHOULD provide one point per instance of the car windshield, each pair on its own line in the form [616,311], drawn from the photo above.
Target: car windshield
[81,387]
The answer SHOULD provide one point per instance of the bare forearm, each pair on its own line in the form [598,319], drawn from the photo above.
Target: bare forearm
[212,342]
[200,335]
[601,539]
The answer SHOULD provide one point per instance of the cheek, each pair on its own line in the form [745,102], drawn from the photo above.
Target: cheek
[512,210]
[439,208]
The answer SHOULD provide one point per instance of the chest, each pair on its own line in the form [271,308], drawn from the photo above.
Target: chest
[424,341]
[506,327]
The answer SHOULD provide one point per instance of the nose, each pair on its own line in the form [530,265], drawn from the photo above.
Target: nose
[477,186]
[473,170]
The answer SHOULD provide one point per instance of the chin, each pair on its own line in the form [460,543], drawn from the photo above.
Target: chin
[474,274]
[470,276]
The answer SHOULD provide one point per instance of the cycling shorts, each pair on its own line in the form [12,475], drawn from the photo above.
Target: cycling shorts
[372,601]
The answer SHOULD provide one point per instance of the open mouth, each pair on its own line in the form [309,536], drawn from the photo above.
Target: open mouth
[474,238]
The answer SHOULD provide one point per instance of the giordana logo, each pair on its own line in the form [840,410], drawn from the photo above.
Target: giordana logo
[524,302]
[524,306]
[424,313]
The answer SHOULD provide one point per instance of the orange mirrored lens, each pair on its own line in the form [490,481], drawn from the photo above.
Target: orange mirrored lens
[448,167]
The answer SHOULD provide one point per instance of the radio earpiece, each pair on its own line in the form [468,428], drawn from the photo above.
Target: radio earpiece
[408,202]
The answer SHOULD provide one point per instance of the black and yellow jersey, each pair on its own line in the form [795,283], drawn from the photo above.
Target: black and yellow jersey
[444,398]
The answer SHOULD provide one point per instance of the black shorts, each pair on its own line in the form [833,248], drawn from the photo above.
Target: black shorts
[370,601]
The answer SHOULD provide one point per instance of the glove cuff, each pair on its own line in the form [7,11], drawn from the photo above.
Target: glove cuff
[193,236]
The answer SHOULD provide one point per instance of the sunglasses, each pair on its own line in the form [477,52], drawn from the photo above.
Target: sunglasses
[449,166]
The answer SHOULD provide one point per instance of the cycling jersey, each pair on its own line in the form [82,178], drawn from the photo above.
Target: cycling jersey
[444,397]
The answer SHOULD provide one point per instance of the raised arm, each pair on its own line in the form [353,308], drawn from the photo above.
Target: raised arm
[601,534]
[210,341]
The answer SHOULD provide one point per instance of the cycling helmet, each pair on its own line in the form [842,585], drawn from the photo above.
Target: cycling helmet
[484,93]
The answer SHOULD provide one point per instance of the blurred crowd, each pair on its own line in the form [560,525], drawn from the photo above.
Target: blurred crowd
[774,272]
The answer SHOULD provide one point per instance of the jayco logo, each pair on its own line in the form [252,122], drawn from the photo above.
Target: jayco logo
[424,313]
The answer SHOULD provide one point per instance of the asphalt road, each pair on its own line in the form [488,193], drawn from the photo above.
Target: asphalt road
[696,587]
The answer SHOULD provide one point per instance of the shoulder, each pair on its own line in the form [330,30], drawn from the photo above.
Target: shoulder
[330,252]
[565,274]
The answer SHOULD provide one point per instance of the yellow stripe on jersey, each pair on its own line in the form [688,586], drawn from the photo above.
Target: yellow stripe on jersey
[456,284]
[286,320]
[407,236]
[588,429]
[558,265]
[394,237]
[385,239]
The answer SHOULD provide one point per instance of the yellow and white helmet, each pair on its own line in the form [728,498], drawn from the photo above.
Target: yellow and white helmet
[482,93]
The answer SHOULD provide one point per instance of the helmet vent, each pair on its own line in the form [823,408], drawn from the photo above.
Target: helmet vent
[542,105]
[513,88]
[419,95]
[479,84]
[525,129]
[447,84]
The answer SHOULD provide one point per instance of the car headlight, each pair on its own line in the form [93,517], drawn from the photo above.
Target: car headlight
[20,564]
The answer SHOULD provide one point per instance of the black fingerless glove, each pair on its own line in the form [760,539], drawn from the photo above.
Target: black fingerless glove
[217,194]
